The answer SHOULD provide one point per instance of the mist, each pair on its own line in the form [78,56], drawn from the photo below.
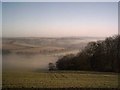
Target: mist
[27,62]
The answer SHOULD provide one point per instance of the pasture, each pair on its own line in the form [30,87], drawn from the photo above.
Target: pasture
[59,79]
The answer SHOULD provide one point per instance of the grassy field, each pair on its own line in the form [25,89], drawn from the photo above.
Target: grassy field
[59,79]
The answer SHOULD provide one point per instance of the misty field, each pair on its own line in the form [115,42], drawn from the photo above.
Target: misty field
[58,79]
[25,65]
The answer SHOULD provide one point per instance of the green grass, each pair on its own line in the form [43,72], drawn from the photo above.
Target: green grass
[59,79]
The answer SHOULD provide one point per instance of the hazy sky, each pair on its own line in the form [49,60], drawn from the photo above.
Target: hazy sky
[52,19]
[119,17]
[0,21]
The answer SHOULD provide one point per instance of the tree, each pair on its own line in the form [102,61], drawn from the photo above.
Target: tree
[65,63]
[51,66]
[96,56]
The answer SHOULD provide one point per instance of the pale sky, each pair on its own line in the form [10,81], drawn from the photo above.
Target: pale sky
[119,17]
[60,19]
[0,21]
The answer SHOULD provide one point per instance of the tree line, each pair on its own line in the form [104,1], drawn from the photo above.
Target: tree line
[103,56]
